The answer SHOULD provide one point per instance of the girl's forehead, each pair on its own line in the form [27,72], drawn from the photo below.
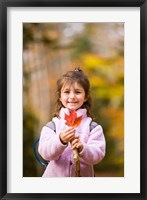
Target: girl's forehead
[69,85]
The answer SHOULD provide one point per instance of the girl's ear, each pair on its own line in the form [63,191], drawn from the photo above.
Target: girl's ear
[85,100]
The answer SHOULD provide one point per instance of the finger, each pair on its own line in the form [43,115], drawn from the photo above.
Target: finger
[75,138]
[70,136]
[70,131]
[74,146]
[78,146]
[75,141]
[71,128]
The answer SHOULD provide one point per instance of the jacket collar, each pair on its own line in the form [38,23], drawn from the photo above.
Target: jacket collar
[80,112]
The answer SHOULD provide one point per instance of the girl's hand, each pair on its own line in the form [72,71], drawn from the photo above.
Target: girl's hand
[77,144]
[67,135]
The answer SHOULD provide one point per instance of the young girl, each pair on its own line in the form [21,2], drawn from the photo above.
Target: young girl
[56,146]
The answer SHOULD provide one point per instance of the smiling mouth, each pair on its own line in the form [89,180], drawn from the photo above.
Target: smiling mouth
[72,102]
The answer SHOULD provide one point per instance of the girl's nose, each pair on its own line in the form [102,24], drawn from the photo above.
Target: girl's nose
[71,95]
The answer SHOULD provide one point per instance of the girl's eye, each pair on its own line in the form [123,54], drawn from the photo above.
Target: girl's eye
[77,91]
[66,91]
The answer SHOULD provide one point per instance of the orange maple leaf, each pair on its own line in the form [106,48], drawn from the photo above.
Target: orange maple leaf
[72,119]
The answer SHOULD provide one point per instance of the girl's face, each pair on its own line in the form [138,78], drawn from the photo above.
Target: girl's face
[72,96]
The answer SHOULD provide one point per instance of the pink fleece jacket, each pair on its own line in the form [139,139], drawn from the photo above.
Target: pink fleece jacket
[60,156]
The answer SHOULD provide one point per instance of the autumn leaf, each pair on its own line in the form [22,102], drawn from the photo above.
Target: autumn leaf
[72,119]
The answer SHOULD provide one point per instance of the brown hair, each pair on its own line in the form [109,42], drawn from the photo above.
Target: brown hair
[69,78]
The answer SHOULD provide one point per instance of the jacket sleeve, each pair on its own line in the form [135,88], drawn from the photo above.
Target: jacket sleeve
[50,146]
[94,150]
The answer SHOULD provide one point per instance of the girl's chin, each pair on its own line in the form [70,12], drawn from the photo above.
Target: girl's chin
[72,107]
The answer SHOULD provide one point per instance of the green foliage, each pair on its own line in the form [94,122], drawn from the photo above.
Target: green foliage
[29,124]
[108,94]
[83,45]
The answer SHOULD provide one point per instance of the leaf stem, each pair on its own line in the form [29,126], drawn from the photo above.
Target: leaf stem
[76,162]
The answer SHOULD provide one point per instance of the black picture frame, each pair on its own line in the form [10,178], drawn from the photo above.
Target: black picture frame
[4,4]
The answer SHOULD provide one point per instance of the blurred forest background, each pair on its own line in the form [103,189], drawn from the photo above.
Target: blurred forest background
[49,50]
